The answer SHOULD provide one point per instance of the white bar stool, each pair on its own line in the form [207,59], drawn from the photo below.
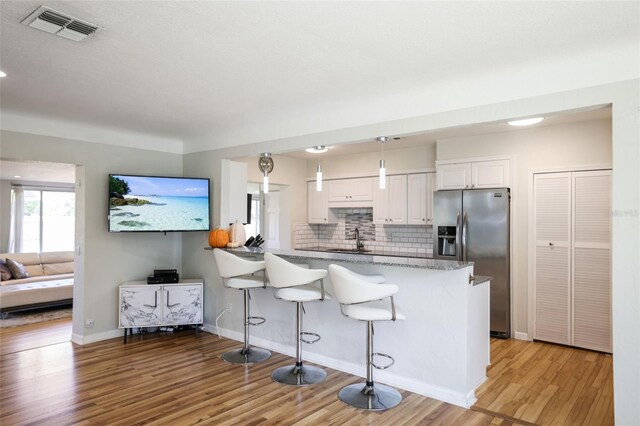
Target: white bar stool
[237,273]
[360,298]
[292,283]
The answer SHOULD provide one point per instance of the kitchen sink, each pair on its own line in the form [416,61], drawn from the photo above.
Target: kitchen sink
[339,250]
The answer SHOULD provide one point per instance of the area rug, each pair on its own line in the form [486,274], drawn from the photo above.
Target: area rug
[16,319]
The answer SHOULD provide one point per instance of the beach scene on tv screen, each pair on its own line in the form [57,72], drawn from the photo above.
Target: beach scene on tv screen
[142,203]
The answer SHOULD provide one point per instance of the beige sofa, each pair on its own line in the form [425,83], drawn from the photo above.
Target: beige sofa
[50,281]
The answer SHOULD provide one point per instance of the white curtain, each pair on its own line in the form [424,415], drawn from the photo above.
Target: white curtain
[17,213]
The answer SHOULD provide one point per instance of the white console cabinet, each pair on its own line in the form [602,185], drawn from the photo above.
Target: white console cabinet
[158,305]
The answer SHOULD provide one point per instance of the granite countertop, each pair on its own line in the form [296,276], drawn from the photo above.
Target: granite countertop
[480,279]
[410,262]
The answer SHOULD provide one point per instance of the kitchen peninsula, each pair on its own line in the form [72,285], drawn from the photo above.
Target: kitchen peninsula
[441,350]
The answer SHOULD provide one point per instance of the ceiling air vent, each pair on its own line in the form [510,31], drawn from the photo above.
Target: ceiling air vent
[54,22]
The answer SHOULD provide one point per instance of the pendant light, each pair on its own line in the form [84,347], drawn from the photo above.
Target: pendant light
[265,164]
[319,179]
[383,172]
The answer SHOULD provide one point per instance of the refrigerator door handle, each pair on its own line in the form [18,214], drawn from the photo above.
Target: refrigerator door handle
[464,237]
[458,239]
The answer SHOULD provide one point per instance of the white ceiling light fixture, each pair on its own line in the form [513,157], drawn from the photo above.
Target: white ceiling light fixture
[3,74]
[61,24]
[319,179]
[318,149]
[265,164]
[525,121]
[383,172]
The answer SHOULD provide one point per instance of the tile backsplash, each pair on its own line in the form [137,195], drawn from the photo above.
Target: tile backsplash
[410,239]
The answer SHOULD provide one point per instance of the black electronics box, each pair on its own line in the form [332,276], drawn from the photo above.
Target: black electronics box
[163,276]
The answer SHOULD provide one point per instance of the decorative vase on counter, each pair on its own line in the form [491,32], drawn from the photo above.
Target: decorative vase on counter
[237,235]
[218,238]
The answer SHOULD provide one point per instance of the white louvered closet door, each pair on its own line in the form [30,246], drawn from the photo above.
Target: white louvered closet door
[591,260]
[552,233]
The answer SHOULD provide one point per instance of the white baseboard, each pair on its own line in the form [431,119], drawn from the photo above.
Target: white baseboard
[386,377]
[522,336]
[92,338]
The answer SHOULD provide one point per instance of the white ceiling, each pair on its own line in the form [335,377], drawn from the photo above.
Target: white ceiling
[431,138]
[195,69]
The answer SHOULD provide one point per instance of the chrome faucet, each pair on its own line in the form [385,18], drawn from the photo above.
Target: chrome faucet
[359,243]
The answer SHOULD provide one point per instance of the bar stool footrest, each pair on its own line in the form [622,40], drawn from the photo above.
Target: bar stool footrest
[382,367]
[256,320]
[310,342]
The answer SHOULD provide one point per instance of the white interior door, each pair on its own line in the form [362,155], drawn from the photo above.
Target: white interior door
[272,220]
[552,267]
[591,260]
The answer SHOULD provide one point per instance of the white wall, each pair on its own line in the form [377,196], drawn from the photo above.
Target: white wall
[104,260]
[368,163]
[562,146]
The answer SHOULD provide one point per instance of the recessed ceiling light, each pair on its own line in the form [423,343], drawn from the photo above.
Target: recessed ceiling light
[17,176]
[525,121]
[318,149]
[3,74]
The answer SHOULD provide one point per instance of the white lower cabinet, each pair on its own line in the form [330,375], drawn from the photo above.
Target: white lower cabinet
[390,204]
[156,305]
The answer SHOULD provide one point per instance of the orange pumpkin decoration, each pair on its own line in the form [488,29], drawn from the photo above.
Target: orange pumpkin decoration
[218,238]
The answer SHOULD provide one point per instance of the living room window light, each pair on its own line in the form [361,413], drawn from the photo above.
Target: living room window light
[42,219]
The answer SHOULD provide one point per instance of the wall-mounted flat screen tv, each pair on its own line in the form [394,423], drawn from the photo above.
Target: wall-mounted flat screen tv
[158,204]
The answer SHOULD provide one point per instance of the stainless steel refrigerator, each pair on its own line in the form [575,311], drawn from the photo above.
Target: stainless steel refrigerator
[473,225]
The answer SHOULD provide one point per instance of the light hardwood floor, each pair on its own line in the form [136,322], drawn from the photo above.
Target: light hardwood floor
[180,379]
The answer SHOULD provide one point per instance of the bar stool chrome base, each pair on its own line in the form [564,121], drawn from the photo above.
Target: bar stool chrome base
[298,376]
[246,356]
[376,398]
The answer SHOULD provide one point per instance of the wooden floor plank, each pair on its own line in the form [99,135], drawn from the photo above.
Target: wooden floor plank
[180,379]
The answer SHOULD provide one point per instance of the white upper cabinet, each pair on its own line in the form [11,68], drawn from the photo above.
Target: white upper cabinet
[475,174]
[350,192]
[420,189]
[490,174]
[317,207]
[390,204]
[454,176]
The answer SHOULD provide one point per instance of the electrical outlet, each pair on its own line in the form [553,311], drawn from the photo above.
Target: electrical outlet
[229,307]
[89,323]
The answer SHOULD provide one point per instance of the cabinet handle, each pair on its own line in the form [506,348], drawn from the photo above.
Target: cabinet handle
[466,186]
[473,185]
[168,305]
[423,219]
[390,220]
[550,244]
[155,303]
[325,219]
